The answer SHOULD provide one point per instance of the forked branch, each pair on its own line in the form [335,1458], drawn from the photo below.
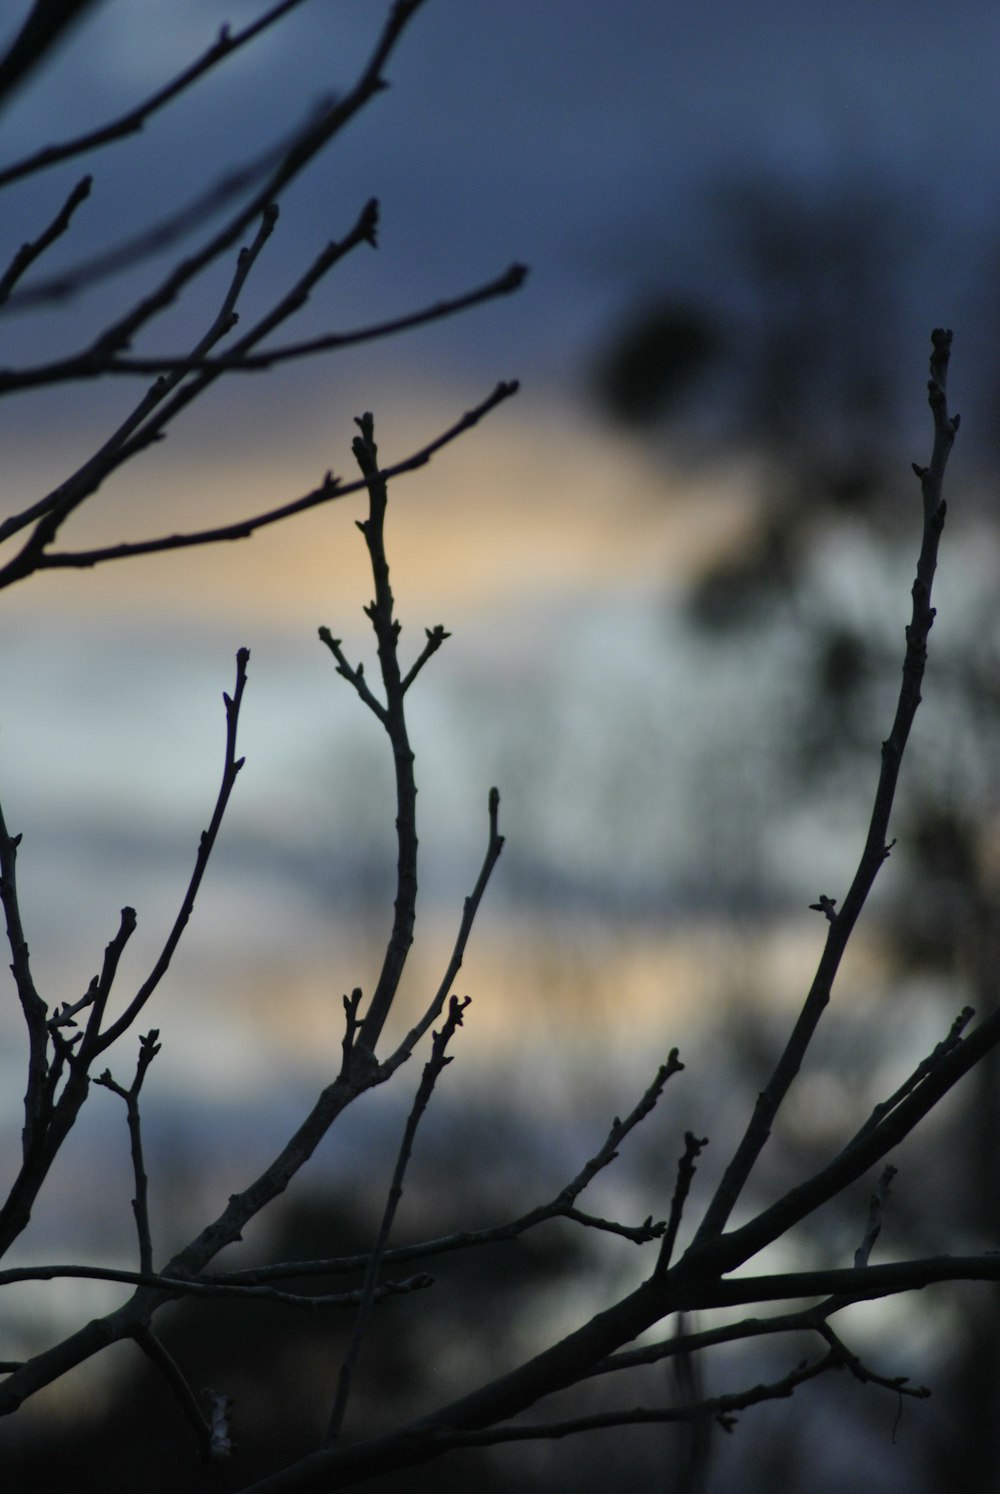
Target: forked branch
[842,923]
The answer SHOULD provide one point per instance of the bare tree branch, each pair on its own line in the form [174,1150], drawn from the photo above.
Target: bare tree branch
[230,771]
[470,909]
[148,1049]
[875,851]
[294,158]
[28,253]
[64,1043]
[693,1147]
[432,1072]
[925,1067]
[171,1371]
[739,1245]
[135,433]
[338,1468]
[86,365]
[330,488]
[511,280]
[176,1286]
[43,30]
[722,1408]
[560,1207]
[381,614]
[53,1110]
[225,44]
[358,1073]
[162,235]
[34,1008]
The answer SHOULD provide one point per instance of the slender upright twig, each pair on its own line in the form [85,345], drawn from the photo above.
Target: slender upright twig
[148,1049]
[875,851]
[33,1007]
[29,252]
[432,1071]
[54,1110]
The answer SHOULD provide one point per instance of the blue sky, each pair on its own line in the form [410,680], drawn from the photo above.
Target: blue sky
[578,148]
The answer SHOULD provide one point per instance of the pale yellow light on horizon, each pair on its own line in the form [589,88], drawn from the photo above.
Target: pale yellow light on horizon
[548,984]
[533,502]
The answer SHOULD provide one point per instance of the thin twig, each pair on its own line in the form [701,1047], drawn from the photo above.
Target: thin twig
[734,1248]
[693,1147]
[560,1207]
[137,431]
[925,1067]
[148,1049]
[842,923]
[154,240]
[381,614]
[470,908]
[230,772]
[511,279]
[33,1007]
[617,1134]
[294,157]
[898,1384]
[128,124]
[873,1228]
[29,252]
[66,1013]
[171,1371]
[40,31]
[638,1234]
[433,1069]
[722,1409]
[806,1320]
[329,489]
[101,989]
[352,1005]
[354,676]
[436,636]
[213,1288]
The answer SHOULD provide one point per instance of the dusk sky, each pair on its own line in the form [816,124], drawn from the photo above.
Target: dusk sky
[637,759]
[553,544]
[550,541]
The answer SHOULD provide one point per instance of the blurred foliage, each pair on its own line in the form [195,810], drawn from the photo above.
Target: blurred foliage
[800,358]
[279,1363]
[796,359]
[654,360]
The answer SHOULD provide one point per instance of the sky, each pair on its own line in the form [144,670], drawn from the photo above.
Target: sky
[583,141]
[586,152]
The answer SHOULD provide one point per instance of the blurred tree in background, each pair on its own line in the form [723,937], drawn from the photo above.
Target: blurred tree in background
[305,1345]
[797,362]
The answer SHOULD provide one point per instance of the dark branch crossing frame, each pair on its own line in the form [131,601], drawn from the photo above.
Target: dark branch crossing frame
[65,1041]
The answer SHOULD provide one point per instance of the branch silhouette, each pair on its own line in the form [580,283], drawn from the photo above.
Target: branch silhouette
[697,1247]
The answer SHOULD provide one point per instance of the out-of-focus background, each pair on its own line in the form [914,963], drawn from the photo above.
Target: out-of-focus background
[676,572]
